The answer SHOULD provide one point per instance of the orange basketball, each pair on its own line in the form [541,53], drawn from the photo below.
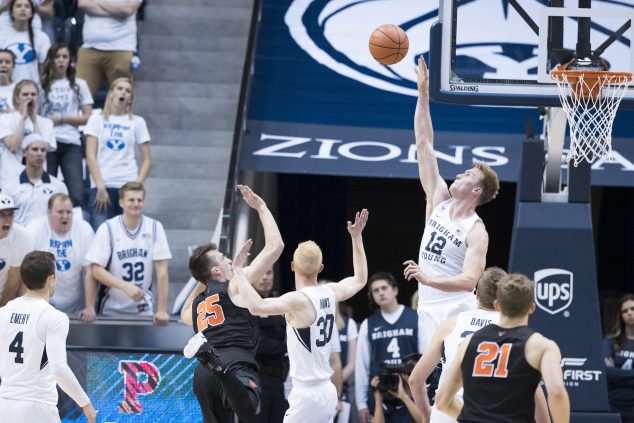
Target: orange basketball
[388,44]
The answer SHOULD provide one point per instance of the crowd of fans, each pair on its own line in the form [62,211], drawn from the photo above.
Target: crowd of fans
[48,130]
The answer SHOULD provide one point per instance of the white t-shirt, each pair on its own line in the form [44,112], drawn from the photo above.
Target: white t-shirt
[26,66]
[13,248]
[117,139]
[110,34]
[129,256]
[62,99]
[32,199]
[29,328]
[70,258]
[11,163]
[6,97]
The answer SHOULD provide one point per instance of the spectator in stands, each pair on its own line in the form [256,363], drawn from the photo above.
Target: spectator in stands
[32,188]
[618,350]
[272,358]
[111,138]
[28,44]
[44,8]
[348,334]
[68,103]
[110,39]
[7,63]
[385,337]
[14,245]
[125,250]
[14,126]
[68,239]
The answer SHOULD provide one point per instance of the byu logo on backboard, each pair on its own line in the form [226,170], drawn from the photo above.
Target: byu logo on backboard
[553,290]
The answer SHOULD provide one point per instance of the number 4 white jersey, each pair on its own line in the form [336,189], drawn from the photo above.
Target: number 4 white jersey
[23,361]
[309,348]
[129,256]
[442,252]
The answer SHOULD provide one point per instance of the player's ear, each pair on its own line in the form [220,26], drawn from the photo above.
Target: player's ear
[532,308]
[321,268]
[496,305]
[292,266]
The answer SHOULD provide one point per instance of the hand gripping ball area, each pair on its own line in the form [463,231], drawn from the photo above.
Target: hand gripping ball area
[388,44]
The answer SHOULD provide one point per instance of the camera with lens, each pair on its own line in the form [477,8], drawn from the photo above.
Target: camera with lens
[388,382]
[389,378]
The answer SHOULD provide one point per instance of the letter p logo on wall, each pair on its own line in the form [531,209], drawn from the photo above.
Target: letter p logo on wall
[553,290]
[139,378]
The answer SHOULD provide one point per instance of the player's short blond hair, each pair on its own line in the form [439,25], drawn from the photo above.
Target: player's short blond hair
[490,183]
[488,286]
[307,258]
[515,295]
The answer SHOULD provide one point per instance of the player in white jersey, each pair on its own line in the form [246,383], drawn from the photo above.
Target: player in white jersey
[449,335]
[123,254]
[310,316]
[33,350]
[453,249]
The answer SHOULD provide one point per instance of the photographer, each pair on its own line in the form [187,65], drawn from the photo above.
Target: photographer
[385,339]
[384,388]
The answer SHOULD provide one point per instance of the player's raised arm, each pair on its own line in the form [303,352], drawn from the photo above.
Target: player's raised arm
[243,294]
[347,287]
[273,244]
[446,400]
[426,365]
[435,187]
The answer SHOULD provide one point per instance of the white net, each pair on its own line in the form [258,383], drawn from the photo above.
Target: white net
[590,103]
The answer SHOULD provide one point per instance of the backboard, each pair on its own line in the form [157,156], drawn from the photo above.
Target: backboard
[500,52]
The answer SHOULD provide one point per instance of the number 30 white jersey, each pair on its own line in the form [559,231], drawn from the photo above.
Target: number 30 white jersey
[442,252]
[129,256]
[309,348]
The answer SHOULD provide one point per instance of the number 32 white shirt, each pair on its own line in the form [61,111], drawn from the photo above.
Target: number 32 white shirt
[129,256]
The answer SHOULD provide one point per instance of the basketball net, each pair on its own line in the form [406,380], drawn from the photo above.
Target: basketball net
[590,100]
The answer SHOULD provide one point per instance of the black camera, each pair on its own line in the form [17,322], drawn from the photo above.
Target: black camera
[388,382]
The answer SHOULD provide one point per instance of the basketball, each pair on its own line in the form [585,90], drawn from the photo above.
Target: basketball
[388,44]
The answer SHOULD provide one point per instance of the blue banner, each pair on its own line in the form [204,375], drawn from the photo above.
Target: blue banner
[314,79]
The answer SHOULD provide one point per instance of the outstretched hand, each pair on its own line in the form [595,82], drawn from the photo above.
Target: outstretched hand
[412,271]
[423,78]
[241,256]
[360,219]
[252,199]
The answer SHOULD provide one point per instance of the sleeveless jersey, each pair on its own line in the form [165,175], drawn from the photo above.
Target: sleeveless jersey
[24,366]
[225,325]
[499,384]
[309,348]
[442,252]
[390,342]
[129,256]
[467,322]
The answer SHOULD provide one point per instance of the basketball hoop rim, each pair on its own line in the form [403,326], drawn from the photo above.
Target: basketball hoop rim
[609,76]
